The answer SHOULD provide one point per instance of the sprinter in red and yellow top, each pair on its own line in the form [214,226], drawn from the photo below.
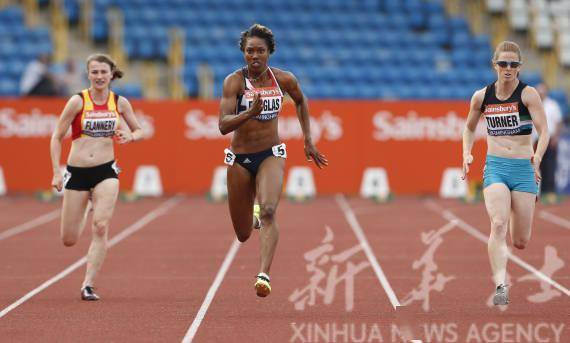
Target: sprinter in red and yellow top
[96,120]
[94,116]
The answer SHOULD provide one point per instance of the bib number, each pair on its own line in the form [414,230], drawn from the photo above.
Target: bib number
[116,168]
[280,150]
[66,178]
[229,158]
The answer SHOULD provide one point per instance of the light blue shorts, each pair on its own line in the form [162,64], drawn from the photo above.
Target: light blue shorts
[515,173]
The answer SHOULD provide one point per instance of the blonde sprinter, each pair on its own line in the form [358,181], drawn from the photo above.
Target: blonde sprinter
[512,168]
[94,115]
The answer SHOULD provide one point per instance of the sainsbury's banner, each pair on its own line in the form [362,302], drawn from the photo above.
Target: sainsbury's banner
[413,141]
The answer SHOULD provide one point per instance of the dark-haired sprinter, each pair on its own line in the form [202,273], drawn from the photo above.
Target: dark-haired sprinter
[512,168]
[251,102]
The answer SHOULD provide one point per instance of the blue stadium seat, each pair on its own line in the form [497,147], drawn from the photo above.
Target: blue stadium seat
[72,10]
[5,67]
[444,93]
[344,91]
[459,25]
[434,7]
[482,42]
[129,90]
[486,76]
[367,6]
[460,40]
[425,93]
[146,49]
[99,30]
[382,48]
[12,16]
[531,78]
[481,57]
[9,87]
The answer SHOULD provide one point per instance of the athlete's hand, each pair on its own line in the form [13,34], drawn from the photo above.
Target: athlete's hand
[535,161]
[57,181]
[124,136]
[313,154]
[467,160]
[256,106]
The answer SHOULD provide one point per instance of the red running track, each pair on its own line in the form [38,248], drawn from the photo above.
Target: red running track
[155,280]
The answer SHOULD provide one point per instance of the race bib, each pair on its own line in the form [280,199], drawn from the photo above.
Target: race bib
[503,119]
[116,168]
[280,150]
[272,102]
[229,158]
[66,178]
[99,123]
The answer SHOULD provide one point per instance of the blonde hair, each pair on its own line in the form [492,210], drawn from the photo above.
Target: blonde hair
[507,46]
[103,58]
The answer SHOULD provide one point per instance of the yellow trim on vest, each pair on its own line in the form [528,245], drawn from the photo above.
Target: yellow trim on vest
[87,106]
[111,105]
[87,103]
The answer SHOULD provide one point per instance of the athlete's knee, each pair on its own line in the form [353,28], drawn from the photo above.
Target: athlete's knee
[100,227]
[520,242]
[69,240]
[267,213]
[242,237]
[69,237]
[499,227]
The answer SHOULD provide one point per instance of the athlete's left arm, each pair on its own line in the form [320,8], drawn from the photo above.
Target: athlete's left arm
[532,101]
[136,133]
[291,86]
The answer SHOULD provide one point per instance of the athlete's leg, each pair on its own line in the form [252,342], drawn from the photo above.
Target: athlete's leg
[498,203]
[241,194]
[269,183]
[521,217]
[73,215]
[104,200]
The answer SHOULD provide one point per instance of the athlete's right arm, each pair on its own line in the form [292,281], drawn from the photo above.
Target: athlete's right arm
[70,110]
[229,121]
[470,126]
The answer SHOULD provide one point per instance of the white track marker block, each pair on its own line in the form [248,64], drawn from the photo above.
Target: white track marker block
[2,183]
[219,187]
[375,184]
[147,181]
[451,184]
[300,183]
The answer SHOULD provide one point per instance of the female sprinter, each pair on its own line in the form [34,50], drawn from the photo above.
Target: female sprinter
[512,168]
[94,115]
[251,102]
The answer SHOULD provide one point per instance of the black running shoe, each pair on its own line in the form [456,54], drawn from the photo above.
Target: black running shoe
[88,294]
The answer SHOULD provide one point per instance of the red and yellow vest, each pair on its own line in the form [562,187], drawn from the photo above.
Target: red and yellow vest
[96,120]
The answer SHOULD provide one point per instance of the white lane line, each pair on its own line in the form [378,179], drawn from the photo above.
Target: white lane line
[211,292]
[447,214]
[353,222]
[555,219]
[46,218]
[139,224]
